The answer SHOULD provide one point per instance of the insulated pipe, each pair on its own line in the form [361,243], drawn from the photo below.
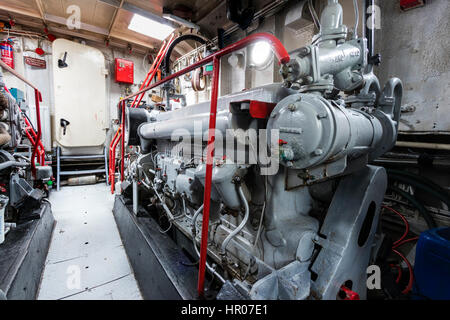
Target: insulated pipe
[241,225]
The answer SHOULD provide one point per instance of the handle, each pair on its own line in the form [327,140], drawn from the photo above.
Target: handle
[64,123]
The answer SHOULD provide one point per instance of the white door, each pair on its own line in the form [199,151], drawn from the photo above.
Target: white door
[80,95]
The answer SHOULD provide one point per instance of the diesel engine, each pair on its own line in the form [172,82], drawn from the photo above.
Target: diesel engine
[294,203]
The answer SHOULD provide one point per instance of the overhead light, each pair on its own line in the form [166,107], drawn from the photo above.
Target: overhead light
[261,53]
[149,27]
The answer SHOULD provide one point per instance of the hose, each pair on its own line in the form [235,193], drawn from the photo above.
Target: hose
[241,226]
[420,179]
[194,232]
[174,43]
[422,210]
[422,186]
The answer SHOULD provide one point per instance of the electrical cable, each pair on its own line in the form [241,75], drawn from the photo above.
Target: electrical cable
[419,178]
[406,241]
[405,222]
[400,242]
[422,186]
[410,269]
[431,223]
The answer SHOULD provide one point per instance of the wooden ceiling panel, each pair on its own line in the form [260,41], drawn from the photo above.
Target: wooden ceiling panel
[54,7]
[27,7]
[153,6]
[103,15]
[87,9]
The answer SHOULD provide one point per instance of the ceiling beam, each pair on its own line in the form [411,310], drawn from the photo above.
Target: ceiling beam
[114,19]
[84,26]
[41,10]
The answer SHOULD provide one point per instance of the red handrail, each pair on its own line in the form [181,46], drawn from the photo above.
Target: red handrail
[283,57]
[38,99]
[119,136]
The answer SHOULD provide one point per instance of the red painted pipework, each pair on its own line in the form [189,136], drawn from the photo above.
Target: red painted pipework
[282,56]
[38,99]
[144,84]
[208,178]
[154,68]
[158,63]
[122,145]
[112,158]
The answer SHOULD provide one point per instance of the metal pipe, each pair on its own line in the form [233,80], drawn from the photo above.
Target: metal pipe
[241,225]
[122,146]
[9,164]
[16,74]
[369,30]
[38,98]
[194,218]
[208,177]
[355,5]
[135,197]
[194,234]
[166,209]
[423,145]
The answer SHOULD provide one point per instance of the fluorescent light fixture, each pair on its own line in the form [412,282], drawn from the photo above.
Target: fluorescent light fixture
[149,27]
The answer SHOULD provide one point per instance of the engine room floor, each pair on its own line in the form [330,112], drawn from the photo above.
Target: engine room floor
[86,259]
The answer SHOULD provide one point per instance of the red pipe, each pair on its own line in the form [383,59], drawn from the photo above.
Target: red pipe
[144,84]
[155,69]
[38,98]
[208,178]
[112,159]
[122,147]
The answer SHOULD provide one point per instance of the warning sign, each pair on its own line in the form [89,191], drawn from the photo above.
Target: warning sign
[37,63]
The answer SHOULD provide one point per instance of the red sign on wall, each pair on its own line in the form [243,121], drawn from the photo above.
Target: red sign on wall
[37,63]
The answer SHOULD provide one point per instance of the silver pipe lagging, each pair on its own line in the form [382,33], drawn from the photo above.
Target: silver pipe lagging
[241,226]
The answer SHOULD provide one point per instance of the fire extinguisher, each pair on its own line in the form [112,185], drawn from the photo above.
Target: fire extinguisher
[7,53]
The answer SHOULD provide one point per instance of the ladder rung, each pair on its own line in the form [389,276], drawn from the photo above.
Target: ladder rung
[80,172]
[96,156]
